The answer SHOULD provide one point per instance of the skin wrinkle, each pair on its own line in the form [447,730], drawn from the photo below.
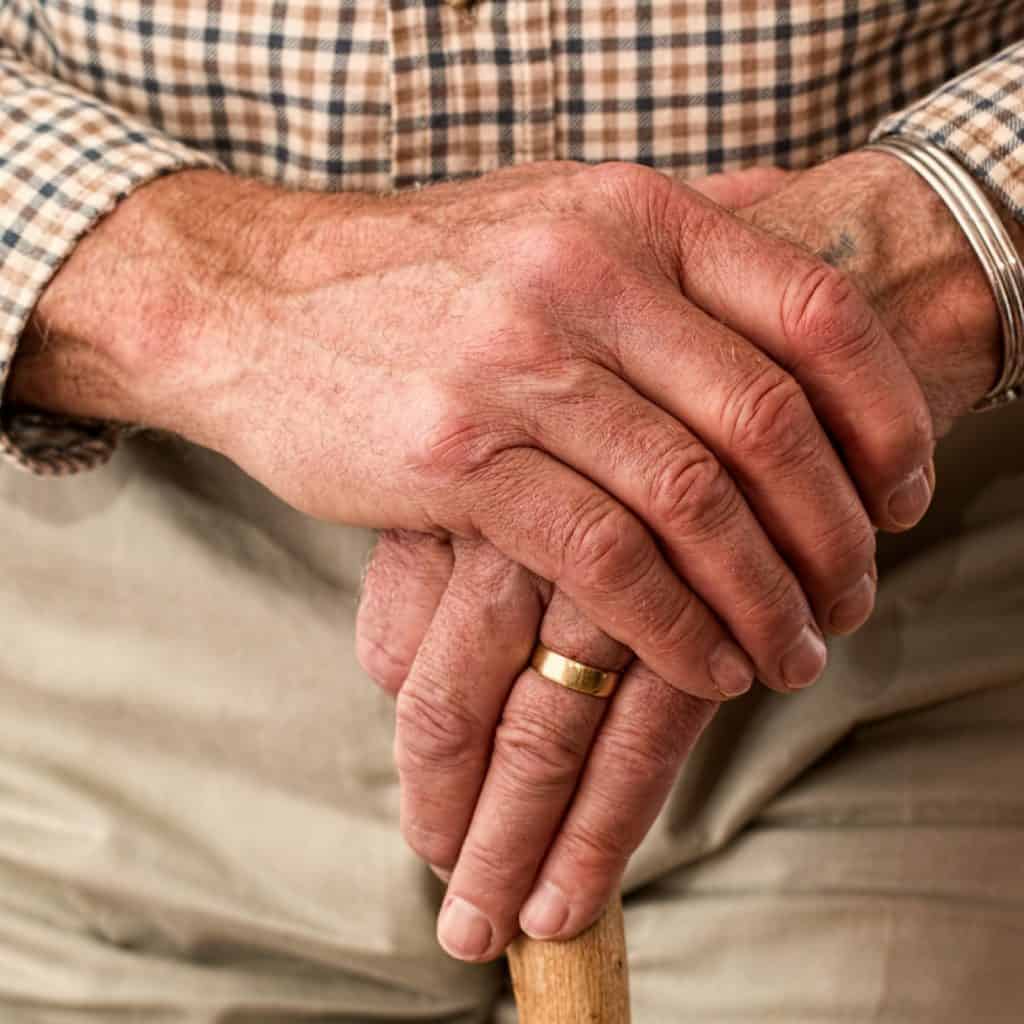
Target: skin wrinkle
[856,248]
[320,416]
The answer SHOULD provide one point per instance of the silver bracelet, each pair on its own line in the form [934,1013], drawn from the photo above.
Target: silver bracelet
[991,243]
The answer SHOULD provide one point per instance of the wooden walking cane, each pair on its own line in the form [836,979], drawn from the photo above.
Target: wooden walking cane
[583,981]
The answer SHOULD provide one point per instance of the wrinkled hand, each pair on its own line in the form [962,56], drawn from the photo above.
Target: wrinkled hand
[517,784]
[539,359]
[571,786]
[469,618]
[619,385]
[874,219]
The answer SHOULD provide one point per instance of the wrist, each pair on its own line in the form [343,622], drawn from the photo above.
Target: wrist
[132,327]
[934,290]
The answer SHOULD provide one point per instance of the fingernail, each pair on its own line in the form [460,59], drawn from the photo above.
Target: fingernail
[445,876]
[805,660]
[463,931]
[731,670]
[854,608]
[545,912]
[909,502]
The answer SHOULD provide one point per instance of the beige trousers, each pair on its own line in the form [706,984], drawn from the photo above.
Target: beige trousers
[198,807]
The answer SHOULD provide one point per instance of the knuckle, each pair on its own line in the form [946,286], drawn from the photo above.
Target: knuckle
[568,388]
[536,347]
[538,756]
[431,844]
[693,493]
[489,864]
[826,319]
[596,850]
[646,754]
[905,425]
[456,438]
[824,315]
[605,547]
[658,209]
[460,439]
[703,226]
[554,250]
[777,609]
[772,418]
[386,668]
[622,177]
[434,731]
[847,547]
[676,630]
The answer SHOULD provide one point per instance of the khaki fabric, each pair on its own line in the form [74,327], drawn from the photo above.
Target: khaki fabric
[198,811]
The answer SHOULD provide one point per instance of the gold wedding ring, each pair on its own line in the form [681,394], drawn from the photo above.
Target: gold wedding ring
[573,675]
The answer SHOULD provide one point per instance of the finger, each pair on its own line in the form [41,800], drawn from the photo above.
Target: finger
[736,189]
[814,322]
[672,481]
[564,529]
[646,736]
[756,419]
[403,586]
[539,750]
[477,643]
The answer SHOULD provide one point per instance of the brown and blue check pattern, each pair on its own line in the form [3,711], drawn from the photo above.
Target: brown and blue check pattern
[97,98]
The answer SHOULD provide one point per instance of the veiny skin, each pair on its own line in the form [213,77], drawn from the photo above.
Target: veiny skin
[550,792]
[622,389]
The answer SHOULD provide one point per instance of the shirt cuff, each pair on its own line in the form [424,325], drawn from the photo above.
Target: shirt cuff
[67,160]
[978,118]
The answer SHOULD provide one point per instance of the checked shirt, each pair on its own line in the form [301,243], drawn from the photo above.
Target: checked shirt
[96,98]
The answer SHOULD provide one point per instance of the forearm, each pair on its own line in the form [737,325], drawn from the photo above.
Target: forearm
[118,334]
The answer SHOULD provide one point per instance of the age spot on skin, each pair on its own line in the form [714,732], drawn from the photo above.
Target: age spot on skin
[841,251]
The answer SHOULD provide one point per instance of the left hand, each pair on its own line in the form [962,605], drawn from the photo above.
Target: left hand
[871,216]
[555,798]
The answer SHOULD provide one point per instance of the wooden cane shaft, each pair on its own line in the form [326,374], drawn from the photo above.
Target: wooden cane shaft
[583,981]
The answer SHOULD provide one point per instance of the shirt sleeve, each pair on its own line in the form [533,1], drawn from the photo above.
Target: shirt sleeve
[66,159]
[978,118]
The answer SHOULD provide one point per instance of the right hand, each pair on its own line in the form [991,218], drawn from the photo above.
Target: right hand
[598,370]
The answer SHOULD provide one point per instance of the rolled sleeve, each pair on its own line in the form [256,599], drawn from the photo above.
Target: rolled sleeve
[66,159]
[978,118]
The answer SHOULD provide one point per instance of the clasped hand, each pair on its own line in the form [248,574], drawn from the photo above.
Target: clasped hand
[590,405]
[743,357]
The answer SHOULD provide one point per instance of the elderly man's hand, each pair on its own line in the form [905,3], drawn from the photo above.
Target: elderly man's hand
[556,800]
[619,385]
[616,383]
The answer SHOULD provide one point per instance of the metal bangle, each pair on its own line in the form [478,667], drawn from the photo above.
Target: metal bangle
[991,243]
